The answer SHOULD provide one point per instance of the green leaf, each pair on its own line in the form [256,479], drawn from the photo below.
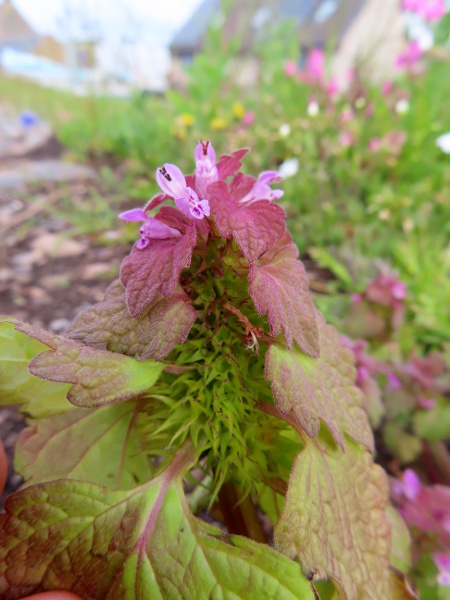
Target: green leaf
[401,541]
[320,389]
[100,445]
[403,445]
[434,424]
[327,260]
[99,377]
[143,543]
[18,386]
[165,323]
[334,519]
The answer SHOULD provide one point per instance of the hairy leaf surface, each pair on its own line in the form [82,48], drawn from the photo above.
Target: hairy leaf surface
[320,389]
[156,269]
[334,519]
[99,377]
[256,227]
[228,164]
[17,386]
[154,333]
[101,446]
[143,543]
[279,288]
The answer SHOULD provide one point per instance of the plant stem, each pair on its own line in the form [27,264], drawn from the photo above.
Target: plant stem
[240,514]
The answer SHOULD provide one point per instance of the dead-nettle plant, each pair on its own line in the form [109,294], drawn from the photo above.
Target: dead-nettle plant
[206,367]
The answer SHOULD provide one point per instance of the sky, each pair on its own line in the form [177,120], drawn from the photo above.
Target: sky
[152,21]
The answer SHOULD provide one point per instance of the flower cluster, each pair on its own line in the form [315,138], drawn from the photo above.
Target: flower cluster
[427,508]
[187,197]
[430,10]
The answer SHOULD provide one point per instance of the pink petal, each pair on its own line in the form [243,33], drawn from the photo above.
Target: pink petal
[411,484]
[269,177]
[135,214]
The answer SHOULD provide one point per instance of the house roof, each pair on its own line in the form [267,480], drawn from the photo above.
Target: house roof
[189,40]
[319,21]
[14,30]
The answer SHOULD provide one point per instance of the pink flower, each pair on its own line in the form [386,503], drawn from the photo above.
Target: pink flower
[375,144]
[394,382]
[442,561]
[346,139]
[431,10]
[315,65]
[347,115]
[426,403]
[333,88]
[410,57]
[152,229]
[290,68]
[386,290]
[366,365]
[248,118]
[172,182]
[205,166]
[424,507]
[262,190]
[387,87]
[409,488]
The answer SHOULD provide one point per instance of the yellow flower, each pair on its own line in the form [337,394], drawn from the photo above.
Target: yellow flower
[238,110]
[218,123]
[186,119]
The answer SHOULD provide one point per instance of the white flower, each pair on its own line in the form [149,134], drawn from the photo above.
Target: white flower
[313,109]
[289,167]
[443,142]
[284,130]
[402,107]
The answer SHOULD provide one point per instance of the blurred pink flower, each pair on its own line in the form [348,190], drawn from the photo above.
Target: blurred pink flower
[366,365]
[290,68]
[370,110]
[442,561]
[347,115]
[431,10]
[393,143]
[248,118]
[424,507]
[425,371]
[426,403]
[375,144]
[346,139]
[410,57]
[333,88]
[387,87]
[315,65]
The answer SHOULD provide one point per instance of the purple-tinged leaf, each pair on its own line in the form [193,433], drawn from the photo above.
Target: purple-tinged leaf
[320,389]
[154,333]
[100,446]
[255,227]
[156,201]
[143,543]
[156,269]
[279,288]
[228,164]
[334,520]
[99,377]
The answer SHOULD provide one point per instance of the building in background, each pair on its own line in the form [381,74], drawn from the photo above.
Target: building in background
[353,31]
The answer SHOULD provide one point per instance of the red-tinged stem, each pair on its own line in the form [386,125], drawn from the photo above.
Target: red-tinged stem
[182,460]
[271,409]
[433,472]
[442,460]
[240,516]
